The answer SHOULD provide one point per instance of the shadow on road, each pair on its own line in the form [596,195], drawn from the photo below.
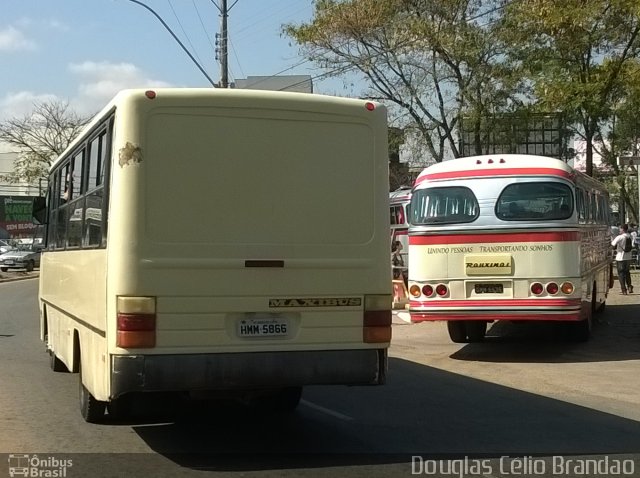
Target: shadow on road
[422,411]
[615,337]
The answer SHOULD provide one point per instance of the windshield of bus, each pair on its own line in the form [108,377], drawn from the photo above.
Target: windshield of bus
[443,205]
[535,201]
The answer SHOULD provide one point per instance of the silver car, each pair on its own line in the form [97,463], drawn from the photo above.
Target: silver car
[6,246]
[24,257]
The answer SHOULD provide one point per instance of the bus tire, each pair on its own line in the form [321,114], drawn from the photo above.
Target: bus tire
[55,363]
[476,330]
[580,331]
[457,331]
[92,410]
[120,408]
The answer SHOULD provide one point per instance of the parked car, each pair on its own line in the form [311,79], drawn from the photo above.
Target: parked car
[6,246]
[23,257]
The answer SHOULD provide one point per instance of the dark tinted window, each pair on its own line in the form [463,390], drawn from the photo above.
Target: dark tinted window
[537,201]
[446,205]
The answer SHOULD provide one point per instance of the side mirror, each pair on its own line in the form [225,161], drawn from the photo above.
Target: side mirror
[39,210]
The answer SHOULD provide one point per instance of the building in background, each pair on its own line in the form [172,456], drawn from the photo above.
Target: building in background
[296,83]
[542,134]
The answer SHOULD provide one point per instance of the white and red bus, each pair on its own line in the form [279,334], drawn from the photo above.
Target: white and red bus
[507,237]
[399,202]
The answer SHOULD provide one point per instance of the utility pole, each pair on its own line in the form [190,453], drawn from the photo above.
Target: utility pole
[224,66]
[222,50]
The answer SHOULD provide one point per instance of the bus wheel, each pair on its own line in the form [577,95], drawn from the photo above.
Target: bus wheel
[120,408]
[581,331]
[476,330]
[457,331]
[55,363]
[92,410]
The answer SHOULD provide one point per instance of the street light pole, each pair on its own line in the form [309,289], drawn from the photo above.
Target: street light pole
[177,40]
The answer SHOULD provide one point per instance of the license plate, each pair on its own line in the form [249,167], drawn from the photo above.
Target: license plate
[8,263]
[488,288]
[263,326]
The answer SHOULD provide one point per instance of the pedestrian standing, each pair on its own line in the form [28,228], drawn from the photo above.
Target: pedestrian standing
[622,244]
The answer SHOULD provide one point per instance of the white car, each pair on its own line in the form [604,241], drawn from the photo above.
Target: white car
[21,258]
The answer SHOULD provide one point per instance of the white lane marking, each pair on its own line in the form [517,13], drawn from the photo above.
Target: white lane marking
[328,411]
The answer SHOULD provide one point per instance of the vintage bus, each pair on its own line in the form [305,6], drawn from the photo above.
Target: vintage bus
[399,201]
[192,247]
[508,237]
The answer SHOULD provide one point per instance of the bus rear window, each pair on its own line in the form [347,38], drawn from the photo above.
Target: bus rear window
[535,201]
[444,205]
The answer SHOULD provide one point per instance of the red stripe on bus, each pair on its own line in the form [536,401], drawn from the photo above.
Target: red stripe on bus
[420,317]
[437,303]
[471,173]
[479,238]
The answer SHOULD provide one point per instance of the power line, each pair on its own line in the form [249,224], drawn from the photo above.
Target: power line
[176,39]
[183,30]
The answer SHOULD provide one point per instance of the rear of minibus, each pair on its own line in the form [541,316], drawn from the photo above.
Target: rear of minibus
[248,242]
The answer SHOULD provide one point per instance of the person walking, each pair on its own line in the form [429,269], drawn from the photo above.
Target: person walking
[623,247]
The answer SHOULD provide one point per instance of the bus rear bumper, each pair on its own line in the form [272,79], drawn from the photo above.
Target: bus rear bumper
[564,316]
[246,371]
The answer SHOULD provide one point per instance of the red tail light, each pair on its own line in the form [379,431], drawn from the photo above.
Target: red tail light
[537,288]
[427,290]
[441,290]
[552,288]
[376,319]
[136,322]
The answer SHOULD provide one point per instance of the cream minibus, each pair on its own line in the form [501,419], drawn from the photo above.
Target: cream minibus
[209,240]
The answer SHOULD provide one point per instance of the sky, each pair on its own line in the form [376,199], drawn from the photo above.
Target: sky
[84,51]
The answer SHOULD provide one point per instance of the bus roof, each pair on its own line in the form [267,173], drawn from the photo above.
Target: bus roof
[213,97]
[496,165]
[400,195]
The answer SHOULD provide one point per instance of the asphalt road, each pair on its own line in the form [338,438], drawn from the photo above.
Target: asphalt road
[459,409]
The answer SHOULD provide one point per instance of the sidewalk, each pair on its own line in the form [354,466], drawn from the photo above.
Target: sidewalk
[18,275]
[616,298]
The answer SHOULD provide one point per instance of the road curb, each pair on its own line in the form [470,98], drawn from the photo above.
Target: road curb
[17,278]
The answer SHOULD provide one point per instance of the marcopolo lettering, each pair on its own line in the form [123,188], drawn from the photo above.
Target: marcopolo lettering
[320,302]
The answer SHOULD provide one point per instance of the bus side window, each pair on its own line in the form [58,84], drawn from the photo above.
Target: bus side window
[94,221]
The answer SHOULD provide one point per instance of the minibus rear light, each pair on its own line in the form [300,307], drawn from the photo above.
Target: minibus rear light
[136,339]
[377,318]
[552,288]
[136,322]
[427,290]
[414,291]
[376,326]
[376,335]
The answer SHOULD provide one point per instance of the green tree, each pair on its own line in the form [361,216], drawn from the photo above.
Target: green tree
[39,137]
[435,61]
[573,54]
[623,138]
